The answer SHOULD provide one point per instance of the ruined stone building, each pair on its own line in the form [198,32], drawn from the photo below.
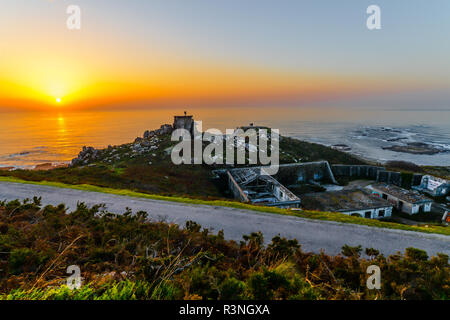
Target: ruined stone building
[356,202]
[410,202]
[184,122]
[368,172]
[432,185]
[254,185]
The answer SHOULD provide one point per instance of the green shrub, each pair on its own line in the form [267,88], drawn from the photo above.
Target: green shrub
[266,284]
[416,254]
[156,260]
[24,260]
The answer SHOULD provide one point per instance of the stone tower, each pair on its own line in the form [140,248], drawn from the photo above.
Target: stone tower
[184,122]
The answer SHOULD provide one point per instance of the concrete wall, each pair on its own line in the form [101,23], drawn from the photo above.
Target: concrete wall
[372,213]
[390,177]
[416,208]
[238,193]
[417,179]
[286,204]
[363,171]
[298,173]
[283,197]
[283,194]
[443,190]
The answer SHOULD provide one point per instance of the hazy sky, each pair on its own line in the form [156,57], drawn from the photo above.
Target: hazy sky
[224,53]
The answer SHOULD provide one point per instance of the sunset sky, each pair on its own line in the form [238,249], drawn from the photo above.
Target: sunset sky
[217,53]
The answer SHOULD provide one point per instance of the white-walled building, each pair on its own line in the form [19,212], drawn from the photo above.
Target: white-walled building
[356,202]
[410,202]
[433,186]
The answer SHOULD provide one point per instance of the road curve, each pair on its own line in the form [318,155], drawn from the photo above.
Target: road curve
[313,235]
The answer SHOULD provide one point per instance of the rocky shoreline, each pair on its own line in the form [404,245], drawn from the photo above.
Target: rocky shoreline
[149,142]
[39,167]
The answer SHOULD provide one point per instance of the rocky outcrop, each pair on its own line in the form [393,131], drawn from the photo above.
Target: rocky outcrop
[415,148]
[86,155]
[165,129]
[145,145]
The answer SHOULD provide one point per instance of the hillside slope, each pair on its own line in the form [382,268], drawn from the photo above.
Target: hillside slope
[145,166]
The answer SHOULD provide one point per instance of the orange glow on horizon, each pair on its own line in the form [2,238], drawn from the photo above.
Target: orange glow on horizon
[45,81]
[219,87]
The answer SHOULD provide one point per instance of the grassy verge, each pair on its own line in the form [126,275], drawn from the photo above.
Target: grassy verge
[328,216]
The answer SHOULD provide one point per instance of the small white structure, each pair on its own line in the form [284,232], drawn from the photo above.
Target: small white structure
[446,218]
[410,202]
[434,186]
[356,202]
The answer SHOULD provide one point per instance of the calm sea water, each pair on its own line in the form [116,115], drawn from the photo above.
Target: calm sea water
[30,138]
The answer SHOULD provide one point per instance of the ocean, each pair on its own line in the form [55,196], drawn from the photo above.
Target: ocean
[31,138]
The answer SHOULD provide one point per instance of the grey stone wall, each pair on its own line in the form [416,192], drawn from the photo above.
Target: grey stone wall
[184,122]
[363,171]
[390,177]
[417,179]
[237,191]
[293,174]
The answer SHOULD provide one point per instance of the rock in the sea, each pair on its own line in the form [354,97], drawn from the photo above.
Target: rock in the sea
[341,147]
[415,148]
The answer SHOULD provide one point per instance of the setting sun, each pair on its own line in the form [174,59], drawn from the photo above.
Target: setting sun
[58,100]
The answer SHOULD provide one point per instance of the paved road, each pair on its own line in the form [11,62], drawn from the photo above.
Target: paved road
[313,235]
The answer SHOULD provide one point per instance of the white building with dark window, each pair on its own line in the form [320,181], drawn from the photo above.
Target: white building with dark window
[355,202]
[410,202]
[434,186]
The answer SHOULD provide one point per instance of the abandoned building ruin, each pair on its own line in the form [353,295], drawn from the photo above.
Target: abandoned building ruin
[179,122]
[355,202]
[184,122]
[377,201]
[254,185]
[431,185]
[410,202]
